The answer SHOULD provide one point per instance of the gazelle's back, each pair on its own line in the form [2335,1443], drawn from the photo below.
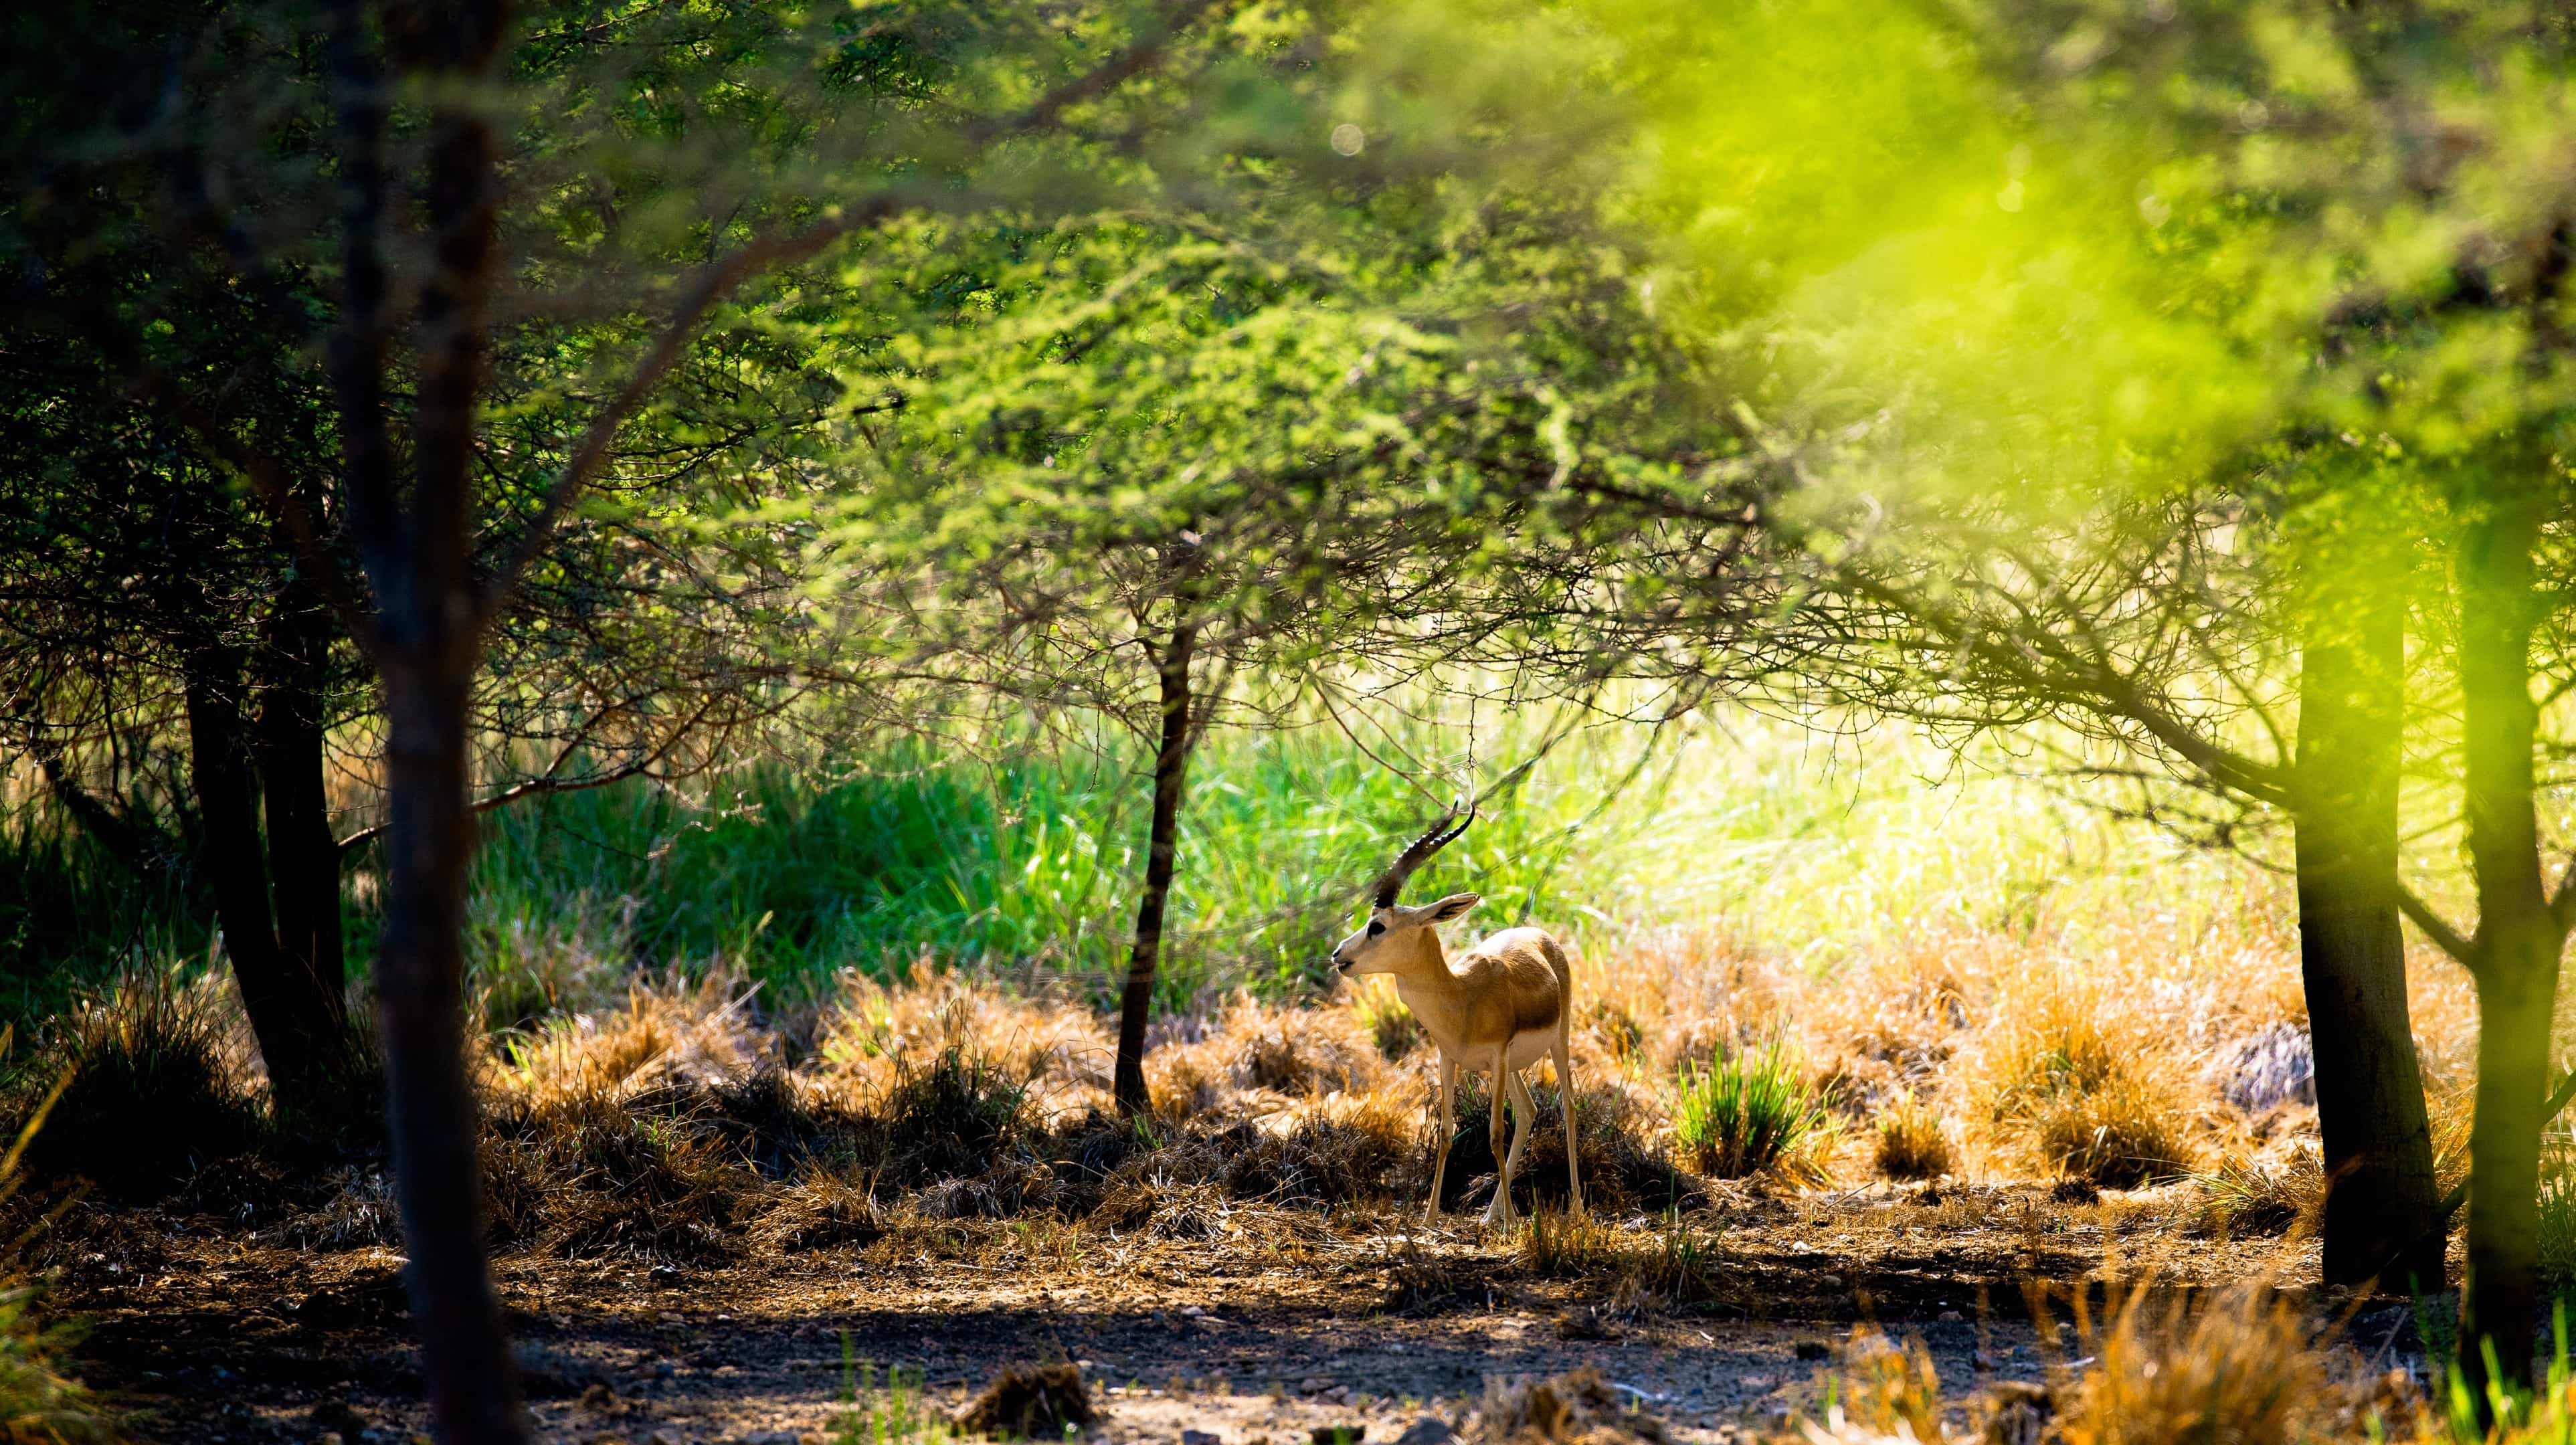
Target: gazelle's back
[1526,980]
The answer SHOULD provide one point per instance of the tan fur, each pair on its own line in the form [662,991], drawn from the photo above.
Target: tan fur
[1496,1009]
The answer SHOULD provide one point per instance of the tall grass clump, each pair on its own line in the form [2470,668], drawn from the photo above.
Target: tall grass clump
[2069,1072]
[1914,1142]
[952,1115]
[2240,1368]
[1748,1111]
[153,1090]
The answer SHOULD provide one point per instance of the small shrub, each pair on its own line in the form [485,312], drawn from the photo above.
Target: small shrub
[946,1119]
[1577,1408]
[590,1178]
[824,1211]
[1346,1150]
[1747,1112]
[152,1094]
[1030,1402]
[2116,1137]
[2241,1197]
[1914,1142]
[1299,1051]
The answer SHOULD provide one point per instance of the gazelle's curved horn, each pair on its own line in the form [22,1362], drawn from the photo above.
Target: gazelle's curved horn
[1419,852]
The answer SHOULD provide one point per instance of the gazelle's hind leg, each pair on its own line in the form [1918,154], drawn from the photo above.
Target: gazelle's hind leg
[1500,1210]
[1573,1134]
[1448,1091]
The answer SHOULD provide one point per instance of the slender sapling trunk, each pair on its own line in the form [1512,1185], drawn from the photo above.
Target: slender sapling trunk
[1171,769]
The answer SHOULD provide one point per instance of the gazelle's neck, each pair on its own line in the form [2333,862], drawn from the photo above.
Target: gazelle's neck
[1426,964]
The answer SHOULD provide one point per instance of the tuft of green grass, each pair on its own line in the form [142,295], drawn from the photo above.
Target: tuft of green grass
[1749,1111]
[2558,1223]
[894,1415]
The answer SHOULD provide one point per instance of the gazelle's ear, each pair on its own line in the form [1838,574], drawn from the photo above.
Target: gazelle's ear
[1452,907]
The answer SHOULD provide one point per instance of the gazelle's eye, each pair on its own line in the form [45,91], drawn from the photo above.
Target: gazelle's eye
[1376,928]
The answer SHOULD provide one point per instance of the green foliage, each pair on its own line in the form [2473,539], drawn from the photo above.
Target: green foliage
[893,1415]
[1748,1111]
[1026,867]
[2557,1224]
[71,916]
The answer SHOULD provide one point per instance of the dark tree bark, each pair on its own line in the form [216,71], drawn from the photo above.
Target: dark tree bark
[301,1029]
[228,856]
[426,638]
[1171,772]
[2381,1211]
[303,854]
[2514,956]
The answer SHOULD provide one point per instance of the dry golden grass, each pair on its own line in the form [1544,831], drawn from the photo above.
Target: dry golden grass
[676,1032]
[1888,1389]
[2085,1075]
[1914,1142]
[2241,1368]
[1061,1055]
[684,1120]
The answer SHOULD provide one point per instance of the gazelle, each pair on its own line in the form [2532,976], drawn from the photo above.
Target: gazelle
[1498,1007]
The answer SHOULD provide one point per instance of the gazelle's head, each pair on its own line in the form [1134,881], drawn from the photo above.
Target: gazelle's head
[1395,933]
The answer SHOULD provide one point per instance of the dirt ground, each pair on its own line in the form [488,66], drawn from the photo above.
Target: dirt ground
[1276,1322]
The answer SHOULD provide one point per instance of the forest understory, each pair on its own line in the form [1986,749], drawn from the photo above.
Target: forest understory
[1813,1205]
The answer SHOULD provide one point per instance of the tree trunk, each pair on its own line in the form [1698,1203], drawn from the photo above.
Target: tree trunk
[1171,769]
[2515,955]
[2381,1211]
[427,645]
[219,772]
[303,854]
[329,1094]
[420,993]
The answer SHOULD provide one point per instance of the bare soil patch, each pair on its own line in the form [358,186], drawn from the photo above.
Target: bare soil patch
[1261,1326]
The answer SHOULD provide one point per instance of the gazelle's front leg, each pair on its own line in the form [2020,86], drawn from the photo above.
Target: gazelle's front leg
[1500,1211]
[1524,1113]
[1448,1088]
